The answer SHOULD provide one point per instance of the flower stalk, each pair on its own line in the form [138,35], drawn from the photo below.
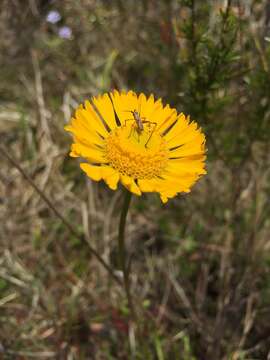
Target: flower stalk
[122,254]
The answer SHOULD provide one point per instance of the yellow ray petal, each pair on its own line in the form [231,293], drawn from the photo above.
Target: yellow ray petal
[154,113]
[180,126]
[147,185]
[130,184]
[110,176]
[93,145]
[94,172]
[93,155]
[167,189]
[195,147]
[165,119]
[182,134]
[146,106]
[124,103]
[84,132]
[97,173]
[164,198]
[187,165]
[181,183]
[90,115]
[104,106]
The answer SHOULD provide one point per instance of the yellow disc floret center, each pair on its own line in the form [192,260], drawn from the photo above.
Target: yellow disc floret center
[138,154]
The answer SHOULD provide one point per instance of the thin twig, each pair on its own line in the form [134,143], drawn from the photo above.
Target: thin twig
[59,215]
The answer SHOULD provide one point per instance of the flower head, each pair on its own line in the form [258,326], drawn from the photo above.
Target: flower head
[53,17]
[65,32]
[139,142]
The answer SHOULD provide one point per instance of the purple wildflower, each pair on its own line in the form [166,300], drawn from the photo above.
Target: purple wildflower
[65,32]
[53,17]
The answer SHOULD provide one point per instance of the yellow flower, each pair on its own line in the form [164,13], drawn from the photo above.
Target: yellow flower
[139,142]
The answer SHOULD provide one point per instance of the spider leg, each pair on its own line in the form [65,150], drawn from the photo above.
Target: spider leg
[155,125]
[130,133]
[128,120]
[140,106]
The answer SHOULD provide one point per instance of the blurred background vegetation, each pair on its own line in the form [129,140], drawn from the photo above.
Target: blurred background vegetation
[201,262]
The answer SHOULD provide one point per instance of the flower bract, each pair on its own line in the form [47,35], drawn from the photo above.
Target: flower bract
[135,140]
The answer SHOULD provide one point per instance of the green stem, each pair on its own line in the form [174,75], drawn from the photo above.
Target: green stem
[122,250]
